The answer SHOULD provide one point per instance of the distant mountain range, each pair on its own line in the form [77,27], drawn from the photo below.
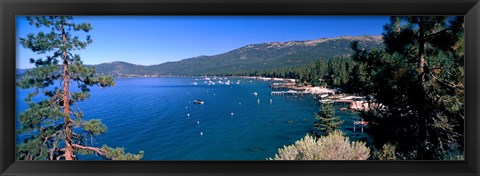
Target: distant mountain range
[252,57]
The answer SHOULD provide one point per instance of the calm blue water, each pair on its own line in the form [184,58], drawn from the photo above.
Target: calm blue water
[151,114]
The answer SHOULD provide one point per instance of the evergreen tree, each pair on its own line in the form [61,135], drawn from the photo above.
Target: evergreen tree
[419,76]
[342,71]
[330,77]
[51,128]
[326,121]
[358,80]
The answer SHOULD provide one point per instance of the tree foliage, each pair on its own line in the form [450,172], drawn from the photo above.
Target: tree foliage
[333,72]
[50,128]
[325,120]
[419,76]
[386,153]
[335,146]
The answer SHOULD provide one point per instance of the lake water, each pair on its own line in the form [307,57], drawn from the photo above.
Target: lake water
[158,116]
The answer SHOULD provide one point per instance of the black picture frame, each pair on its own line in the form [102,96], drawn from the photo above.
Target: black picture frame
[10,8]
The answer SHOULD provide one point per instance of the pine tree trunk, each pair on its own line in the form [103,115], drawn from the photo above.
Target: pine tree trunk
[423,134]
[66,103]
[421,47]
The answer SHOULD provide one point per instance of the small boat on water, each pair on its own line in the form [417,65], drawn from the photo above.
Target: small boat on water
[211,83]
[195,83]
[198,102]
[255,93]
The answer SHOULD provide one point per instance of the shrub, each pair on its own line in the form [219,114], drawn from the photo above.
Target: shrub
[335,146]
[387,153]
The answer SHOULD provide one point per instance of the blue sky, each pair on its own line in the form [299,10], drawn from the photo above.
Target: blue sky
[148,40]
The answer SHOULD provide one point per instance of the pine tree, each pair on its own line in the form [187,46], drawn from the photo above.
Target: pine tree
[329,76]
[51,128]
[419,76]
[326,121]
[358,80]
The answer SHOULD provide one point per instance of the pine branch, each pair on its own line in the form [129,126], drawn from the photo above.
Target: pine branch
[95,149]
[51,136]
[445,83]
[52,151]
[453,86]
[58,157]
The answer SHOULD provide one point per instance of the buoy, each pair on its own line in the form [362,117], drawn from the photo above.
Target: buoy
[198,122]
[258,101]
[213,94]
[188,115]
[231,113]
[354,126]
[270,101]
[239,103]
[186,107]
[201,133]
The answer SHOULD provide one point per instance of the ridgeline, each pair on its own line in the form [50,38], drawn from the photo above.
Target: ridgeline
[264,56]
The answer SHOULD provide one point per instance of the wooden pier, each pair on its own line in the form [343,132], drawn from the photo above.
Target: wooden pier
[359,123]
[290,92]
[336,101]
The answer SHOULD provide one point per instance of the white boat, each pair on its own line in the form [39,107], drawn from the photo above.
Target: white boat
[347,98]
[198,101]
[292,91]
[211,83]
[323,95]
[195,83]
[325,101]
[255,93]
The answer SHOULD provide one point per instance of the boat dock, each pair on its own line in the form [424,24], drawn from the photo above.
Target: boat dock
[336,101]
[290,92]
[282,85]
[359,123]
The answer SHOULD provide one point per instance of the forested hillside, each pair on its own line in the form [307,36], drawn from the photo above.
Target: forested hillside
[265,56]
